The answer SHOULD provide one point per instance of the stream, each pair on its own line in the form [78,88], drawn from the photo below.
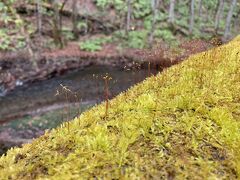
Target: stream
[27,111]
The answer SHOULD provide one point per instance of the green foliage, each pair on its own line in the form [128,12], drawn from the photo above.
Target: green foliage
[90,45]
[210,4]
[141,8]
[147,23]
[94,44]
[183,9]
[119,5]
[102,3]
[137,39]
[82,25]
[11,42]
[21,43]
[183,22]
[67,33]
[120,34]
[165,34]
[5,40]
[10,28]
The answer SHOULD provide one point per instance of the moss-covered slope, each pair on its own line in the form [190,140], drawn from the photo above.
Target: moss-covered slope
[183,123]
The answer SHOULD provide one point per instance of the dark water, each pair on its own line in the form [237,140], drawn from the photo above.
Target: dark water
[86,86]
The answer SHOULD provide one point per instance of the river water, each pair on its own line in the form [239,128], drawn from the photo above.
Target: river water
[32,108]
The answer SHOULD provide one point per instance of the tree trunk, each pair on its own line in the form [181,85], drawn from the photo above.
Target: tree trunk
[57,23]
[200,8]
[236,22]
[60,12]
[191,24]
[155,4]
[171,11]
[87,12]
[206,16]
[229,19]
[218,15]
[74,18]
[129,13]
[39,17]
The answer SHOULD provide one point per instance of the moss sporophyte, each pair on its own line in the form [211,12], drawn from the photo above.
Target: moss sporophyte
[106,78]
[181,124]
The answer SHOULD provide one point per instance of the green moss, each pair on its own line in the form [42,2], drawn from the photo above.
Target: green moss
[182,123]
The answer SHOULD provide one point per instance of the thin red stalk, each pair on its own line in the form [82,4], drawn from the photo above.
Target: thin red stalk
[67,111]
[79,110]
[149,68]
[106,96]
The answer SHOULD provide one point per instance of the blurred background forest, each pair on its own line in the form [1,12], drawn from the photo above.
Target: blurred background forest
[39,24]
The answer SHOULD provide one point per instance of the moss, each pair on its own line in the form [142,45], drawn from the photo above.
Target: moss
[182,123]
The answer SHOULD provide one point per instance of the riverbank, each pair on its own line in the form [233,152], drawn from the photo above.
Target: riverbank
[25,127]
[19,68]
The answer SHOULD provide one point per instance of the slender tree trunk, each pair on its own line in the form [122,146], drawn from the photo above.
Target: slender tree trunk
[39,17]
[74,18]
[86,11]
[60,11]
[236,21]
[206,16]
[218,15]
[129,13]
[155,4]
[171,11]
[200,8]
[57,22]
[25,34]
[229,19]
[191,24]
